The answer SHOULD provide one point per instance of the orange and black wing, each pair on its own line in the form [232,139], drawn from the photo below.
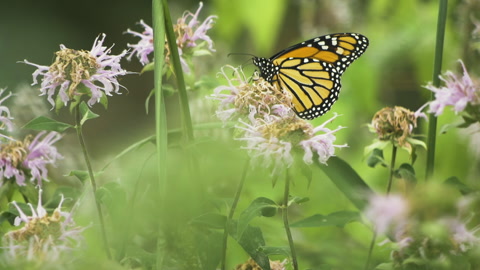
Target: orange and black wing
[311,70]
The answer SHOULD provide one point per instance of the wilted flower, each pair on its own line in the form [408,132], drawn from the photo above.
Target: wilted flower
[458,92]
[28,158]
[5,118]
[78,72]
[188,30]
[252,265]
[395,125]
[44,239]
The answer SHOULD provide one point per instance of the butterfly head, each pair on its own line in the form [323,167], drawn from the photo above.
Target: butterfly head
[267,68]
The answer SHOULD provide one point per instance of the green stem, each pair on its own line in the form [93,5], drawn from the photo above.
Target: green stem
[286,224]
[232,212]
[392,169]
[161,132]
[177,67]
[437,67]
[389,188]
[78,127]
[370,250]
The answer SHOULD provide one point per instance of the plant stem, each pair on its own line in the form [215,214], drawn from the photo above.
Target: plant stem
[389,187]
[78,127]
[437,67]
[232,212]
[161,132]
[392,168]
[177,67]
[286,224]
[370,250]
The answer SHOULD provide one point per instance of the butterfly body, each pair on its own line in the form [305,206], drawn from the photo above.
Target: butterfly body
[311,70]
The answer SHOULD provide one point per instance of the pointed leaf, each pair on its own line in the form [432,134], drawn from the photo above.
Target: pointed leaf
[455,182]
[298,200]
[210,220]
[252,241]
[376,157]
[45,123]
[7,216]
[407,173]
[339,219]
[348,181]
[129,149]
[81,175]
[86,113]
[255,209]
[148,67]
[284,251]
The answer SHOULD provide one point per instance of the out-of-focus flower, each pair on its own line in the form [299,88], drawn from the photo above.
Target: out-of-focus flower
[28,158]
[189,31]
[388,213]
[43,240]
[458,92]
[395,125]
[252,265]
[5,117]
[78,72]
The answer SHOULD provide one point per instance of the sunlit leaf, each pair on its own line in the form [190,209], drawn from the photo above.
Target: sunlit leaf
[86,113]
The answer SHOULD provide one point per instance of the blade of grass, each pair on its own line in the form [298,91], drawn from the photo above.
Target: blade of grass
[177,68]
[437,67]
[160,118]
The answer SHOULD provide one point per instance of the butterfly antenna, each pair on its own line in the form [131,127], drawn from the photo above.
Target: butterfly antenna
[249,54]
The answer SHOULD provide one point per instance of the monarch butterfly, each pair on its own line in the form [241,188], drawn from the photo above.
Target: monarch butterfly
[311,70]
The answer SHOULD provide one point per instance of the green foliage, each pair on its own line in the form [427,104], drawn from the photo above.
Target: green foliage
[339,219]
[45,123]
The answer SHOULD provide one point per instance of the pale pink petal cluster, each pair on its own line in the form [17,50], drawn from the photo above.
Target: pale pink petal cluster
[189,30]
[43,239]
[29,158]
[103,81]
[144,47]
[458,92]
[5,117]
[388,213]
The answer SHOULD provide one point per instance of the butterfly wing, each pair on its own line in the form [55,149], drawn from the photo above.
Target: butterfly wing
[311,70]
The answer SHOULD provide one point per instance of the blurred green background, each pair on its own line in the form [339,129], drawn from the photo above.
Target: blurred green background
[392,72]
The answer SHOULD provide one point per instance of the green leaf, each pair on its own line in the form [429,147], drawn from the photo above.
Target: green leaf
[86,113]
[284,251]
[104,101]
[347,180]
[376,157]
[210,220]
[7,216]
[129,149]
[255,209]
[211,245]
[45,123]
[147,100]
[407,173]
[252,242]
[81,175]
[298,200]
[385,266]
[148,67]
[339,219]
[455,182]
